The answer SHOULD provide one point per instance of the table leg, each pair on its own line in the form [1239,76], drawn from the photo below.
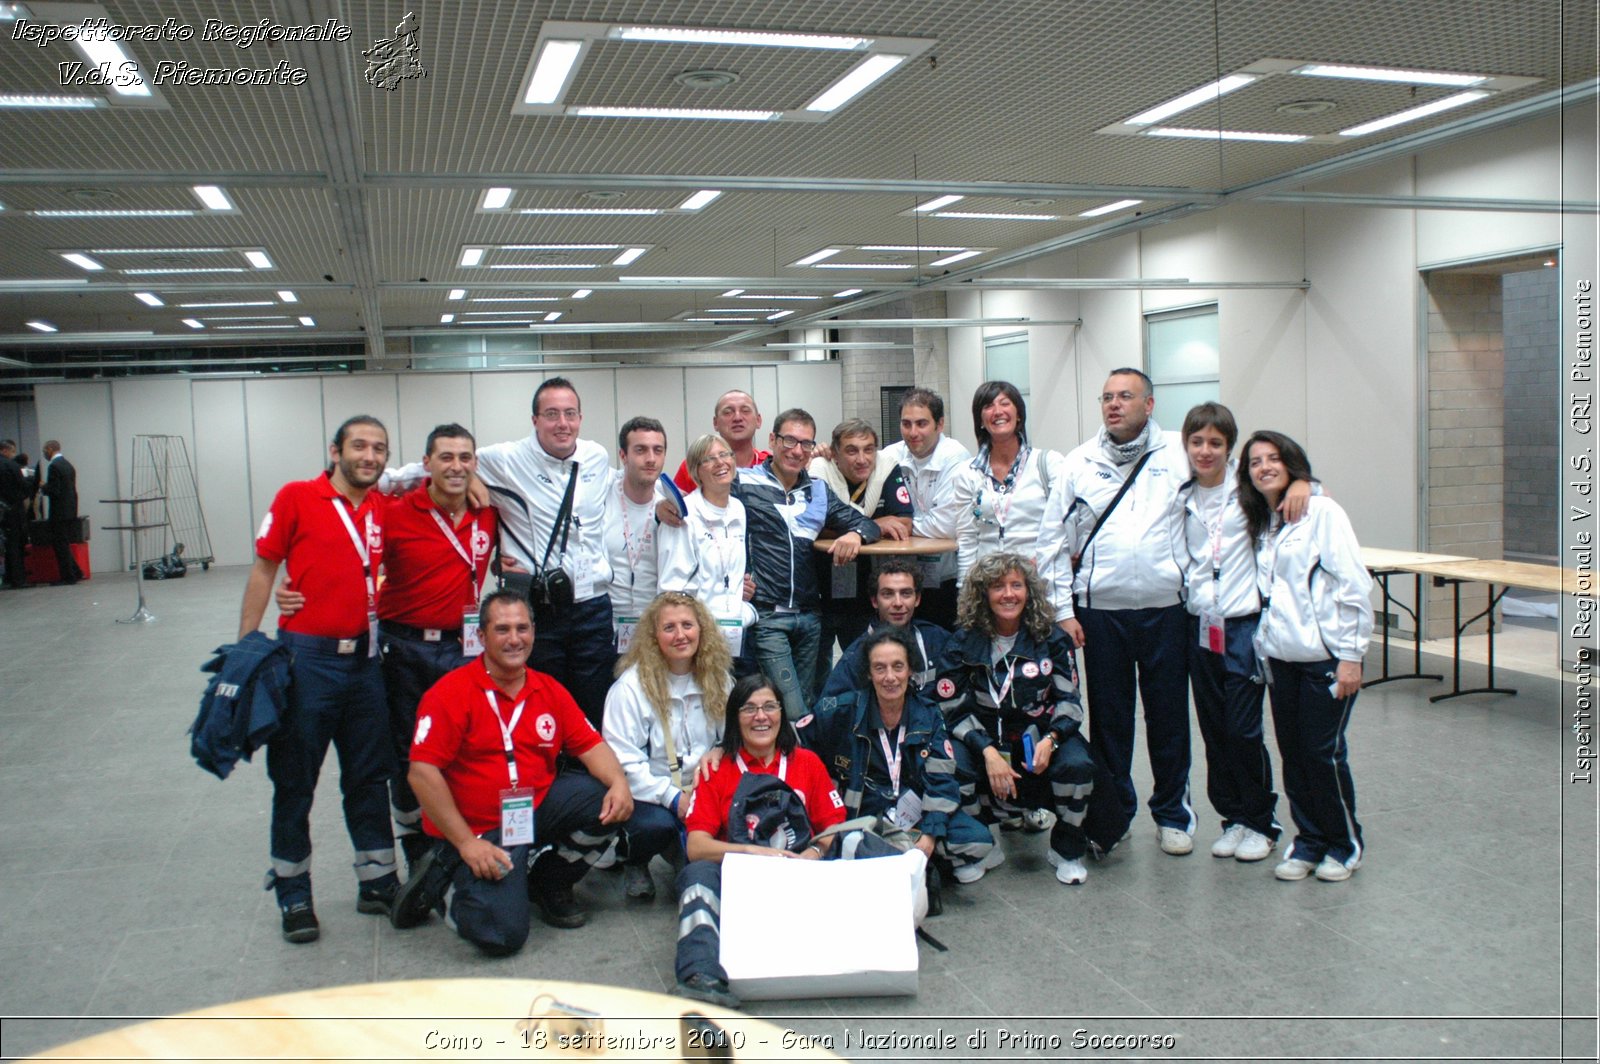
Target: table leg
[1416,617]
[1461,626]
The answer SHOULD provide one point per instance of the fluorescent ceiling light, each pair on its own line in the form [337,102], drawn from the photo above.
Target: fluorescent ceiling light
[817,256]
[559,247]
[131,212]
[847,293]
[733,293]
[287,296]
[81,261]
[673,112]
[911,247]
[719,319]
[514,299]
[101,51]
[308,322]
[542,266]
[192,323]
[780,314]
[253,328]
[590,210]
[935,204]
[496,198]
[865,266]
[957,257]
[1407,77]
[214,198]
[446,319]
[1204,94]
[1225,134]
[457,293]
[741,310]
[1107,208]
[797,298]
[219,306]
[149,299]
[1414,113]
[700,199]
[159,251]
[504,321]
[748,38]
[153,270]
[554,315]
[258,259]
[998,216]
[628,257]
[583,293]
[245,317]
[550,72]
[44,100]
[42,326]
[866,73]
[471,256]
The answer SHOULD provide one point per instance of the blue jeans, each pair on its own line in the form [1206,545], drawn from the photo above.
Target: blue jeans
[786,648]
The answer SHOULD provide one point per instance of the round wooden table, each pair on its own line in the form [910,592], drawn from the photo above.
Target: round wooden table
[916,546]
[454,1019]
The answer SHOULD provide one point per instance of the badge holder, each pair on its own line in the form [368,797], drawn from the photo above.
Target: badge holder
[624,627]
[734,631]
[1213,632]
[471,634]
[516,816]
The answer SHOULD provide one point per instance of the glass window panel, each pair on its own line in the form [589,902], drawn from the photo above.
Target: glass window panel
[1005,358]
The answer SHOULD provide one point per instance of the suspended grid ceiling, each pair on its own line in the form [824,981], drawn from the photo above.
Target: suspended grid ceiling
[1010,93]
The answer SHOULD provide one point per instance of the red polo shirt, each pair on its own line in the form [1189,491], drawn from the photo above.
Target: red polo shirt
[686,483]
[426,579]
[711,800]
[458,734]
[303,530]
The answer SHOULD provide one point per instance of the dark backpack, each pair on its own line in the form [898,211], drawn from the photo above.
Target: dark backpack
[766,811]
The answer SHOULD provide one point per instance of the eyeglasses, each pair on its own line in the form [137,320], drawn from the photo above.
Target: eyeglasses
[769,709]
[789,443]
[720,456]
[1126,397]
[552,414]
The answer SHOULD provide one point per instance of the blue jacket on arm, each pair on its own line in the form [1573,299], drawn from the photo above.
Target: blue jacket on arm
[242,704]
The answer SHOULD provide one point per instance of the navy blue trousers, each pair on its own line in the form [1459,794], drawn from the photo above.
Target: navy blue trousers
[335,698]
[1123,648]
[1310,725]
[1227,707]
[410,667]
[1064,787]
[651,830]
[577,645]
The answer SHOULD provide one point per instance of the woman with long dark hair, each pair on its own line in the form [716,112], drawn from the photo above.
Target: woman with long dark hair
[1316,621]
[1001,494]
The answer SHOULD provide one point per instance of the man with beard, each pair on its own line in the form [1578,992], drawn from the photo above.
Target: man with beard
[329,533]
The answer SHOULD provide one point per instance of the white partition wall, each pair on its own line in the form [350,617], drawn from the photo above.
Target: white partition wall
[249,436]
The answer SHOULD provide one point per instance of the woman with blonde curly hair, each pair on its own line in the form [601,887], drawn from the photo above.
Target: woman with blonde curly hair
[662,715]
[1008,688]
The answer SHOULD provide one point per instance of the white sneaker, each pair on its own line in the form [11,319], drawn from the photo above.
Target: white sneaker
[1174,841]
[1254,846]
[970,873]
[1228,844]
[1069,870]
[1291,869]
[1037,820]
[994,858]
[1331,871]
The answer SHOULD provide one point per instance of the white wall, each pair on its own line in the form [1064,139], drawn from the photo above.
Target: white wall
[248,436]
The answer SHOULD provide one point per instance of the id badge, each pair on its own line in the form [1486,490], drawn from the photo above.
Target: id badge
[908,811]
[734,631]
[583,586]
[931,576]
[624,627]
[471,636]
[372,633]
[1213,633]
[516,816]
[844,581]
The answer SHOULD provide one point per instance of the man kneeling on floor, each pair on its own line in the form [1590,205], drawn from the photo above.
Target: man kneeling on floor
[508,830]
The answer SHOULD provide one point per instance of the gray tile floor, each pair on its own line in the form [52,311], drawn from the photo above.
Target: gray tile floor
[130,883]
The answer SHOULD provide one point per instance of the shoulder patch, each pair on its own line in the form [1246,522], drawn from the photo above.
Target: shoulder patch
[903,495]
[266,525]
[1047,666]
[424,725]
[805,720]
[1030,670]
[945,688]
[949,751]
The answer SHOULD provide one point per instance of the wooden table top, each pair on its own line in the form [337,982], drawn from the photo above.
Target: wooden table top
[441,1019]
[1385,558]
[1526,575]
[915,546]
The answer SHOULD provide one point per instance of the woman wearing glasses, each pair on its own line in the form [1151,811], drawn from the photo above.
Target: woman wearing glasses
[1316,620]
[662,715]
[1009,692]
[1001,495]
[756,740]
[705,556]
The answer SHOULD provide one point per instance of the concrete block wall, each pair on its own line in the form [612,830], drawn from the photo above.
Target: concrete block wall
[1466,430]
[1532,318]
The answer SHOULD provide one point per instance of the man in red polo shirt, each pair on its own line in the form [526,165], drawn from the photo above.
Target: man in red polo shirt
[329,533]
[483,764]
[736,419]
[435,562]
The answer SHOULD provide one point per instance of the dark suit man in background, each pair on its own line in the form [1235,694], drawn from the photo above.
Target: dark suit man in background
[14,495]
[59,484]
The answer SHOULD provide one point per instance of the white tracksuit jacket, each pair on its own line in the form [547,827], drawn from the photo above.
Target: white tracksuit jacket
[1315,591]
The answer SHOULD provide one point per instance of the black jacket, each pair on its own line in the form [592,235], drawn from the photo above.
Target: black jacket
[1037,685]
[61,488]
[780,527]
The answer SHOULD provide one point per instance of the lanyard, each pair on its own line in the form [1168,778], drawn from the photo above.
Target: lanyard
[1002,488]
[472,568]
[505,732]
[627,536]
[892,757]
[361,548]
[783,765]
[1005,688]
[1214,530]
